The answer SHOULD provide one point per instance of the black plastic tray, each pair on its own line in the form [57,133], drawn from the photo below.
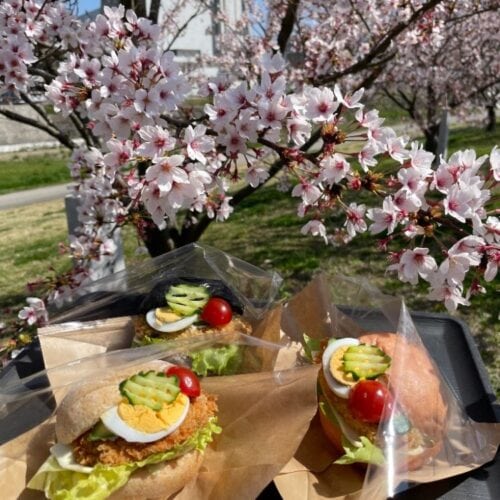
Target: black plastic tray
[448,340]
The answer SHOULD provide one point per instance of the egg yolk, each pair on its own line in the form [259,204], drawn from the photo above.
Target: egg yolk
[165,315]
[337,367]
[142,418]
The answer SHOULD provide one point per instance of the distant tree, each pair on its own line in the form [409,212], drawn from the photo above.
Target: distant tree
[453,64]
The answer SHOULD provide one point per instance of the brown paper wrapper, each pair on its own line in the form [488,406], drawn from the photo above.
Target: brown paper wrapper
[263,416]
[67,342]
[311,473]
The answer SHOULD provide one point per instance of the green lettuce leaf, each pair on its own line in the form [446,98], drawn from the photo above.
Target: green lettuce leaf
[225,360]
[147,340]
[326,410]
[312,347]
[63,484]
[367,453]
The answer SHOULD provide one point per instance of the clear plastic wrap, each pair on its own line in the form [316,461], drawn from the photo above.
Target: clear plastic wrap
[422,435]
[135,290]
[112,313]
[264,410]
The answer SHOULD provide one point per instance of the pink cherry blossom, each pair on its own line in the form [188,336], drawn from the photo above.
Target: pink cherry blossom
[316,228]
[165,172]
[451,295]
[321,105]
[385,218]
[349,101]
[197,143]
[156,139]
[495,163]
[355,222]
[256,176]
[493,261]
[309,193]
[334,168]
[414,263]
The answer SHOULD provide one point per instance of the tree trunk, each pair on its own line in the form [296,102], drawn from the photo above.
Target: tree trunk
[154,11]
[157,241]
[432,138]
[491,120]
[138,6]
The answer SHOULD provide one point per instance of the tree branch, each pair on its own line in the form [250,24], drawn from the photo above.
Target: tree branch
[46,75]
[184,26]
[287,24]
[63,138]
[380,48]
[89,138]
[26,98]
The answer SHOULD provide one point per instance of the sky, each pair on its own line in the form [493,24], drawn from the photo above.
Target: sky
[88,5]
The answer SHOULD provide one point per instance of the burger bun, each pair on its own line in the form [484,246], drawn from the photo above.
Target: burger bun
[162,480]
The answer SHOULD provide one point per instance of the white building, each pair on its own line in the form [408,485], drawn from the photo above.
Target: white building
[197,28]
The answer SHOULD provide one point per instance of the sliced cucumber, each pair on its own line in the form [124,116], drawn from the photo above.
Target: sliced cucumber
[151,389]
[365,361]
[187,299]
[100,433]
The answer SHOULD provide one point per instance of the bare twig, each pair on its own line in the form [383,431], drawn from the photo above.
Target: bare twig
[182,28]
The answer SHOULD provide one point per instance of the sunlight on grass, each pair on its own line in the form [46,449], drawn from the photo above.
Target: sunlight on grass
[26,171]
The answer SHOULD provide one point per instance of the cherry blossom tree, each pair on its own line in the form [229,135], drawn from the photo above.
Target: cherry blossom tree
[453,64]
[152,159]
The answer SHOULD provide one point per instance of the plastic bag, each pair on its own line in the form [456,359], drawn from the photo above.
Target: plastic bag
[112,313]
[263,410]
[136,290]
[415,431]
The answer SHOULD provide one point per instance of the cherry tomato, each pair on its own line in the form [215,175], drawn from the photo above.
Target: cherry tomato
[217,312]
[188,381]
[367,400]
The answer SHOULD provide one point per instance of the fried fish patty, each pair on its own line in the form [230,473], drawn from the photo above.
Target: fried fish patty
[119,451]
[142,329]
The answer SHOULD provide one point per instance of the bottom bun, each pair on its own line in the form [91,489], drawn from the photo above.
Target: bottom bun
[162,480]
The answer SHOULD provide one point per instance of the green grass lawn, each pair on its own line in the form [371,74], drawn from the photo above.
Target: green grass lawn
[31,170]
[264,231]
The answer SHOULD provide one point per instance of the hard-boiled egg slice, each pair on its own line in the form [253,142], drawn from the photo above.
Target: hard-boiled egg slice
[63,453]
[332,359]
[171,326]
[139,424]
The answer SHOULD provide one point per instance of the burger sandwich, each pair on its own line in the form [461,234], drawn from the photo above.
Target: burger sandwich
[368,398]
[186,309]
[139,434]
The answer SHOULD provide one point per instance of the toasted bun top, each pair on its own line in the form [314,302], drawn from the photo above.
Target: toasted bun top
[83,405]
[414,381]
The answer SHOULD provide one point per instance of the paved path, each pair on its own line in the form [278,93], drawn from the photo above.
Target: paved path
[30,196]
